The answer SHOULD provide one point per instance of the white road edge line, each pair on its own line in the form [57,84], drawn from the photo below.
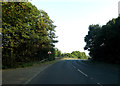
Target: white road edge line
[83,73]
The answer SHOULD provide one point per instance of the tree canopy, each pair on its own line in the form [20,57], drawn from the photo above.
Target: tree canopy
[103,41]
[75,54]
[27,34]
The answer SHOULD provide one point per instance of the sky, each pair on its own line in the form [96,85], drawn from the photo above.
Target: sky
[73,17]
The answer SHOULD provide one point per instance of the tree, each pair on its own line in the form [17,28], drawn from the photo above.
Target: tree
[103,42]
[57,53]
[75,54]
[28,34]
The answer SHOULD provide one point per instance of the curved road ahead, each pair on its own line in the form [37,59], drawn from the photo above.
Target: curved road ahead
[78,72]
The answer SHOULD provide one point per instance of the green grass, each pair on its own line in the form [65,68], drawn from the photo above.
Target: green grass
[27,64]
[44,63]
[68,58]
[30,64]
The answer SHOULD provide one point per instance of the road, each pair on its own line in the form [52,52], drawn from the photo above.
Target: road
[78,72]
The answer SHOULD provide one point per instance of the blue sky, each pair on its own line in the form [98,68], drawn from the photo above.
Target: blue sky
[72,18]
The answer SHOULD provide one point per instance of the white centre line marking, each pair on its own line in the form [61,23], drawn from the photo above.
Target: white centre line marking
[73,66]
[99,84]
[83,73]
[87,75]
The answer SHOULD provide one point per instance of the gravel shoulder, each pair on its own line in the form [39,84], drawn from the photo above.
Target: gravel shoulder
[23,75]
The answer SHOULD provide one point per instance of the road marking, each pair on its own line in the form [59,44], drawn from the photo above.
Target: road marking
[99,84]
[74,66]
[83,73]
[87,75]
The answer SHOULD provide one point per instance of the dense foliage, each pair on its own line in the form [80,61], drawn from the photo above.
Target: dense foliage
[27,34]
[75,54]
[103,41]
[57,53]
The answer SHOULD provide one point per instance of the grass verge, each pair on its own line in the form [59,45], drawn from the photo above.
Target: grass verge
[68,58]
[31,64]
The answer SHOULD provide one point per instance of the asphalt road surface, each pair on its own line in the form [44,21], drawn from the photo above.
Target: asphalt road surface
[78,72]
